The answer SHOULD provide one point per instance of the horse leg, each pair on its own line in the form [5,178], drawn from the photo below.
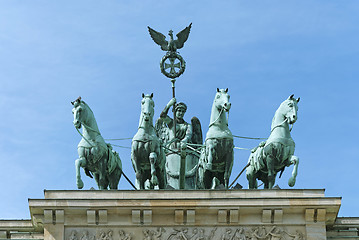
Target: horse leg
[161,173]
[138,182]
[228,168]
[159,164]
[113,185]
[134,153]
[80,162]
[207,179]
[102,181]
[154,179]
[200,173]
[115,176]
[271,173]
[208,165]
[200,170]
[210,152]
[102,175]
[293,160]
[252,181]
[114,179]
[215,183]
[96,176]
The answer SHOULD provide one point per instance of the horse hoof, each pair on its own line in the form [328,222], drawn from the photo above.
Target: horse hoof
[147,184]
[80,184]
[291,182]
[154,181]
[215,183]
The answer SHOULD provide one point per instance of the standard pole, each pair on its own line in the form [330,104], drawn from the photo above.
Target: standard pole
[182,172]
[174,110]
[181,152]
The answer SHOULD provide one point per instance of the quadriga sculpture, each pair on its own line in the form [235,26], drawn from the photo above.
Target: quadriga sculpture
[147,155]
[95,156]
[216,161]
[276,153]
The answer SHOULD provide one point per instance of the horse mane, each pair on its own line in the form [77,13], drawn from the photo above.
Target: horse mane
[276,112]
[212,119]
[86,105]
[90,114]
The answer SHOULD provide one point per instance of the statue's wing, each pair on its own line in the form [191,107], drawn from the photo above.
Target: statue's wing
[158,127]
[182,36]
[162,131]
[197,137]
[159,38]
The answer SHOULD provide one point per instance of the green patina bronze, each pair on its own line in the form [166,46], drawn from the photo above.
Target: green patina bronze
[172,60]
[170,154]
[216,161]
[176,133]
[147,155]
[273,155]
[180,153]
[95,156]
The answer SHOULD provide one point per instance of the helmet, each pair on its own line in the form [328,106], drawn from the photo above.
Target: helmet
[181,105]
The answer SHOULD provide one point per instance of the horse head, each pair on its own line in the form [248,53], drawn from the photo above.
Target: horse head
[82,113]
[289,109]
[221,100]
[147,107]
[78,112]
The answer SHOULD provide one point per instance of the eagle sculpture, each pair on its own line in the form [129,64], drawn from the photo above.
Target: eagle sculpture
[171,45]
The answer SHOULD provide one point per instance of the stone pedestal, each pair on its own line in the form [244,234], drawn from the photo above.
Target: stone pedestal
[191,214]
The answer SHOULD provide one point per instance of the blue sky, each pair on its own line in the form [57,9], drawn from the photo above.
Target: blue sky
[51,52]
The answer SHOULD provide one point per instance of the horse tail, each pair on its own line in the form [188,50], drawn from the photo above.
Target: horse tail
[88,172]
[281,171]
[256,158]
[114,161]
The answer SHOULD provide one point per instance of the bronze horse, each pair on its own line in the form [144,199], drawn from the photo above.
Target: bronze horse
[95,156]
[147,155]
[273,155]
[216,161]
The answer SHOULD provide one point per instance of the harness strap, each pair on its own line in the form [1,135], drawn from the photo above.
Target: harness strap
[87,126]
[84,137]
[279,125]
[210,125]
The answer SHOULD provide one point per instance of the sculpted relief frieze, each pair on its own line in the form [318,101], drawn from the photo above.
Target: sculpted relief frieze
[187,233]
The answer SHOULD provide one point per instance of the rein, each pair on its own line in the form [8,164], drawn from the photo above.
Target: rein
[90,128]
[87,126]
[281,125]
[84,137]
[211,124]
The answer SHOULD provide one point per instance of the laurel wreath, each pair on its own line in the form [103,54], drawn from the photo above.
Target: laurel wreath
[172,55]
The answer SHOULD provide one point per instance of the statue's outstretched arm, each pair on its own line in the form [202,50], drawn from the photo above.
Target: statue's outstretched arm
[169,104]
[164,113]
